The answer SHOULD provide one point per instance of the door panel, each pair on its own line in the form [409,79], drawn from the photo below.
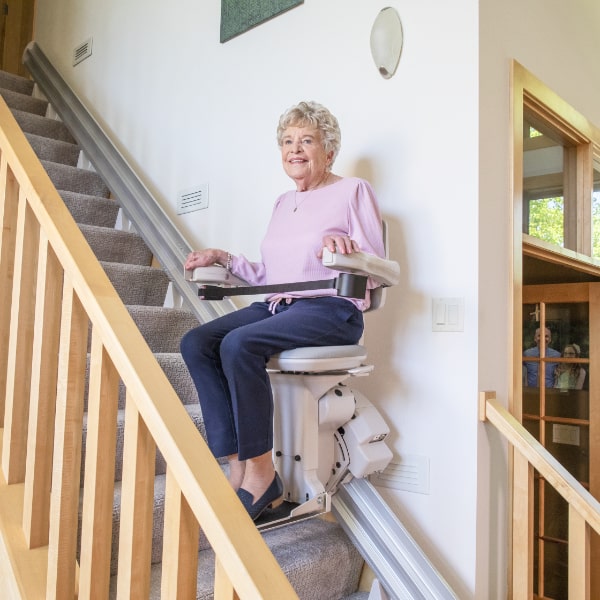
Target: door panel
[559,408]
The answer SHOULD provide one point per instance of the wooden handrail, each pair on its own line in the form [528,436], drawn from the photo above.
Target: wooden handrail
[58,288]
[584,509]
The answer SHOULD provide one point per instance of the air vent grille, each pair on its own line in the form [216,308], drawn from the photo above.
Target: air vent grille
[411,473]
[192,199]
[82,51]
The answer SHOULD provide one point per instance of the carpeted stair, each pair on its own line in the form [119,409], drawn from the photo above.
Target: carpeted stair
[317,557]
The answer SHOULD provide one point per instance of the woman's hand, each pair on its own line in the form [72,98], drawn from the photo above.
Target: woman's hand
[338,243]
[205,258]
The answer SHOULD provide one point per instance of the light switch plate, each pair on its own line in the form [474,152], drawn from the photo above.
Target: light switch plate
[448,314]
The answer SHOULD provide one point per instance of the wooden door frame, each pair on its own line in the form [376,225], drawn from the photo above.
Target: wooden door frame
[19,32]
[526,89]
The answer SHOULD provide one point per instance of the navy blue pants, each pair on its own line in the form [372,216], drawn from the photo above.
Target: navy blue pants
[227,360]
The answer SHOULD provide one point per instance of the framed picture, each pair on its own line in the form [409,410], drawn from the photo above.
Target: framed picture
[238,16]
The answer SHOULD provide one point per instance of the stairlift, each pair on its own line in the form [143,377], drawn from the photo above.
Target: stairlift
[325,433]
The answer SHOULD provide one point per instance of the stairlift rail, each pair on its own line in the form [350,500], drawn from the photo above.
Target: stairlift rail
[402,568]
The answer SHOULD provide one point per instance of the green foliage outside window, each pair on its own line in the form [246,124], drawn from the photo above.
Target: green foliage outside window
[546,221]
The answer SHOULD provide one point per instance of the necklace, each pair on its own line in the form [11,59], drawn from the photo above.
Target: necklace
[309,192]
[296,205]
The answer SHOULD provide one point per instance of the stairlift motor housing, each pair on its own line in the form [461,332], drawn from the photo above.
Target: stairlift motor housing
[324,432]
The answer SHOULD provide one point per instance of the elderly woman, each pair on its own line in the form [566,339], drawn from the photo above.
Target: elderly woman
[227,357]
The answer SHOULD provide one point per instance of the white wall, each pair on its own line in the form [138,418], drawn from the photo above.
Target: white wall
[186,109]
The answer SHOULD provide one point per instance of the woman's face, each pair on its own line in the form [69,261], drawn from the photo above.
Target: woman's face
[304,158]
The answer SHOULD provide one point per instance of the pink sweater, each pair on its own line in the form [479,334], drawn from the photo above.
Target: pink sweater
[294,237]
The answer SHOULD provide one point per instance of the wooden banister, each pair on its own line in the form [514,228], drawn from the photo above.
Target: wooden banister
[584,509]
[57,290]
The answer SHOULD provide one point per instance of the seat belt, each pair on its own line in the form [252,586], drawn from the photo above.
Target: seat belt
[347,285]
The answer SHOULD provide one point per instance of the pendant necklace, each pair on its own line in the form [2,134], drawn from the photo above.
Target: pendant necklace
[309,192]
[296,205]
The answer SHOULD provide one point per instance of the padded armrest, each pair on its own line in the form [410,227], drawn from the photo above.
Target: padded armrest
[383,271]
[216,275]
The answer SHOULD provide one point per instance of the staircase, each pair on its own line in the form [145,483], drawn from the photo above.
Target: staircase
[316,555]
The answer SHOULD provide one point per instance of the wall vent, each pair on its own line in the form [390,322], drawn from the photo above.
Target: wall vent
[82,51]
[192,199]
[410,473]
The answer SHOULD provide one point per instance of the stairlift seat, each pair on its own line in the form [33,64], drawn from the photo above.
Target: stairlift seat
[317,359]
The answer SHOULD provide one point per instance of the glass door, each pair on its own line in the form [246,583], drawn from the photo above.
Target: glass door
[558,409]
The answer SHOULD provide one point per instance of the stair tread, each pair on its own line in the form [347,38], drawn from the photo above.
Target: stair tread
[115,245]
[161,327]
[74,179]
[91,210]
[138,284]
[43,126]
[57,151]
[302,551]
[16,83]
[24,102]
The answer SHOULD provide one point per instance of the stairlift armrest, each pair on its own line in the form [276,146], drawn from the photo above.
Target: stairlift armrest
[383,271]
[215,275]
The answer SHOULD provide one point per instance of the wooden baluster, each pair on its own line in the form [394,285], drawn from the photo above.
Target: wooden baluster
[180,545]
[64,503]
[579,556]
[98,485]
[46,339]
[8,229]
[223,587]
[137,500]
[522,537]
[20,344]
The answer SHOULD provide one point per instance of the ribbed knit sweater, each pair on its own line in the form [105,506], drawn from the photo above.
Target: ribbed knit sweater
[294,237]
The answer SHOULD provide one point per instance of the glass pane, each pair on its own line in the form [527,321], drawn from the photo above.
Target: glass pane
[568,404]
[596,213]
[570,445]
[543,188]
[556,514]
[556,583]
[565,363]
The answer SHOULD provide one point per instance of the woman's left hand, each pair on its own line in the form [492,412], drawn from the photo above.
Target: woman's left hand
[339,243]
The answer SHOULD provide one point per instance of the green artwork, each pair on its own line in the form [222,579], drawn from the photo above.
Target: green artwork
[238,16]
